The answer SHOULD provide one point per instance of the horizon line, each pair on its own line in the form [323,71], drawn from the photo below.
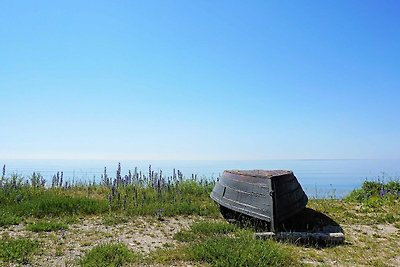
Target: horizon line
[108,159]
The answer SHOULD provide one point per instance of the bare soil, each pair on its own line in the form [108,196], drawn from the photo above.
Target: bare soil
[65,247]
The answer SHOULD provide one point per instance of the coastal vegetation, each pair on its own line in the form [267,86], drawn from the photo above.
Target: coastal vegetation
[130,195]
[104,255]
[17,250]
[138,219]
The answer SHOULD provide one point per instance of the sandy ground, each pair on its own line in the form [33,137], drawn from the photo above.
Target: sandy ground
[63,248]
[145,234]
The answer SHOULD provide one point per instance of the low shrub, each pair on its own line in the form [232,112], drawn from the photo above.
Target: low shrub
[17,250]
[375,189]
[112,254]
[46,226]
[7,219]
[114,220]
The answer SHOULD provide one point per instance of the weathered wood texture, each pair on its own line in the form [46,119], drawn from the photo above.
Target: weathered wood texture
[271,196]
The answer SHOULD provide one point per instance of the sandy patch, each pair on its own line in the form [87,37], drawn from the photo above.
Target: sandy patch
[63,248]
[378,229]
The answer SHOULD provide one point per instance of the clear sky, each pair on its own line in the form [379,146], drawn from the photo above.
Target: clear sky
[199,79]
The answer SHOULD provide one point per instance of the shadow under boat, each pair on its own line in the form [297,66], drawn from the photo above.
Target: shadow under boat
[308,227]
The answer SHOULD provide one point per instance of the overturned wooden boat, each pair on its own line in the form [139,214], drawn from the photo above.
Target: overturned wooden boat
[271,196]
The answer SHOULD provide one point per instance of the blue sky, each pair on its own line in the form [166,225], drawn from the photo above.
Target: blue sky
[199,79]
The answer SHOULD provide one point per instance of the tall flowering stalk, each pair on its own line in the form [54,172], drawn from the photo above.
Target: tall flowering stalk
[118,174]
[105,178]
[3,175]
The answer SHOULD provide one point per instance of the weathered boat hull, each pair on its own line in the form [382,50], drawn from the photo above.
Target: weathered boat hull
[270,196]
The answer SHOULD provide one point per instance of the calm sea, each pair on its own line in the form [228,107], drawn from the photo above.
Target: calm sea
[319,178]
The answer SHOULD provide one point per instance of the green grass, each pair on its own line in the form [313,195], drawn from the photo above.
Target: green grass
[180,198]
[7,219]
[26,202]
[105,255]
[243,250]
[17,250]
[375,202]
[223,244]
[370,212]
[201,230]
[114,220]
[46,226]
[185,198]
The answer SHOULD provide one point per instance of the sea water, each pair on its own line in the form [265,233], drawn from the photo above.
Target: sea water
[319,178]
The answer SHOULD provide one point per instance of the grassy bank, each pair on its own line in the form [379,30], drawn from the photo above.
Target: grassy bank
[130,196]
[153,220]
